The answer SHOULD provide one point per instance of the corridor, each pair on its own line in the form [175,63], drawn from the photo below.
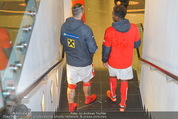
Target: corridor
[33,80]
[99,17]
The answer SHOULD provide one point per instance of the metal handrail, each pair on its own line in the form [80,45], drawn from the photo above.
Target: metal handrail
[17,98]
[38,81]
[157,67]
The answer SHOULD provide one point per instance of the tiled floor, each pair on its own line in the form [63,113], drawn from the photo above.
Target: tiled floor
[98,17]
[100,84]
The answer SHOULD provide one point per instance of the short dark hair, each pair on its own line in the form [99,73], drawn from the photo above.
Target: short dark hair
[77,9]
[120,11]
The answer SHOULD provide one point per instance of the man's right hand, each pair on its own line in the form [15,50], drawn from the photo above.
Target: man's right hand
[106,64]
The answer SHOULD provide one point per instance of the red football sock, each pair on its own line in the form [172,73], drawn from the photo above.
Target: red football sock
[124,90]
[72,107]
[113,85]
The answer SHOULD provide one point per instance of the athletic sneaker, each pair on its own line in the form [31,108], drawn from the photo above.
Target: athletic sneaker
[90,99]
[122,108]
[72,107]
[108,93]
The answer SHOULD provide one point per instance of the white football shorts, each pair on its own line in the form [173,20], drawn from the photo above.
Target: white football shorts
[123,74]
[77,74]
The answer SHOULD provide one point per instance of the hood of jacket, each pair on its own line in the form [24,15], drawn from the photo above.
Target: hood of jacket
[122,26]
[72,24]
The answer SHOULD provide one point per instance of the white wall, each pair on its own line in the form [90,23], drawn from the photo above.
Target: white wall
[43,51]
[67,9]
[160,46]
[44,46]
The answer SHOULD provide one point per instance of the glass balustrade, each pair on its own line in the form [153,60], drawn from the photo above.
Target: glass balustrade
[17,18]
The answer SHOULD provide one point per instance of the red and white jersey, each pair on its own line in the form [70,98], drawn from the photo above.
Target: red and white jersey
[122,46]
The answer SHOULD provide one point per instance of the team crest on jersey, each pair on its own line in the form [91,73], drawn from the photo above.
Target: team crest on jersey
[71,43]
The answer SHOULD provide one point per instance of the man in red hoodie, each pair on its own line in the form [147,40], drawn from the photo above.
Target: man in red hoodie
[117,54]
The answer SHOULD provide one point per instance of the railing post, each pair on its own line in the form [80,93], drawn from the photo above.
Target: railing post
[138,53]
